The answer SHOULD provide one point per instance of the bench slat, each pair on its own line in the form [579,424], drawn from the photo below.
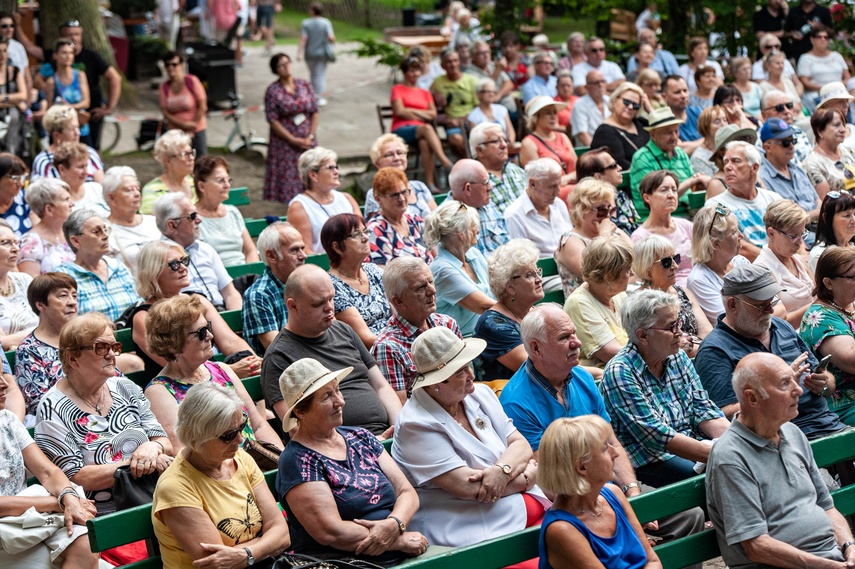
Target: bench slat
[688,550]
[491,554]
[670,499]
[238,197]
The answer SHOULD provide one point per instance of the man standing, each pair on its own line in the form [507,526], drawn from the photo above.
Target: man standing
[778,171]
[455,96]
[543,82]
[771,19]
[676,94]
[766,498]
[778,105]
[488,145]
[470,184]
[590,111]
[596,54]
[800,21]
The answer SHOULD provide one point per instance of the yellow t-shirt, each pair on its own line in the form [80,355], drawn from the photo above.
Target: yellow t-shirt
[596,325]
[230,504]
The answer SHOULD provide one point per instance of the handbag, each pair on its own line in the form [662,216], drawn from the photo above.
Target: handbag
[265,455]
[300,561]
[129,492]
[330,52]
[20,533]
[126,318]
[83,117]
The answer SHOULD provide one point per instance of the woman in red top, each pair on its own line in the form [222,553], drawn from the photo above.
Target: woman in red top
[413,111]
[183,102]
[547,141]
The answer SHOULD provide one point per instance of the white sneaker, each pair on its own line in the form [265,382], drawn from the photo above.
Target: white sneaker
[322,102]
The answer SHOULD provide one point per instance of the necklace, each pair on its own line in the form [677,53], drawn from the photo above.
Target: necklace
[8,290]
[96,406]
[583,510]
[193,379]
[840,309]
[357,278]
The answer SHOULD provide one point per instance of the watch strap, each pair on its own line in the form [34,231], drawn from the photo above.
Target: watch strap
[250,560]
[401,526]
[626,488]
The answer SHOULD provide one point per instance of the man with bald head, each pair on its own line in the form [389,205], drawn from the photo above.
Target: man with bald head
[766,498]
[591,110]
[470,184]
[312,331]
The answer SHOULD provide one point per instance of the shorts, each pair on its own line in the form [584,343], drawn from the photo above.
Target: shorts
[408,133]
[454,130]
[264,17]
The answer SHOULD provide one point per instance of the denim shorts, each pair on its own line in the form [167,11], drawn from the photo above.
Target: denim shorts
[264,17]
[408,133]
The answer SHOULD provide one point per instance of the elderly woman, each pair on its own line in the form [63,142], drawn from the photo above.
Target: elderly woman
[623,132]
[395,231]
[13,205]
[178,332]
[830,166]
[67,547]
[360,300]
[320,200]
[591,204]
[715,250]
[655,263]
[595,305]
[130,230]
[222,225]
[707,83]
[545,140]
[478,480]
[16,318]
[162,273]
[710,121]
[659,191]
[572,531]
[488,111]
[664,446]
[70,160]
[104,284]
[60,122]
[775,66]
[213,506]
[459,270]
[176,156]
[828,328]
[820,65]
[92,422]
[44,248]
[698,50]
[359,507]
[785,231]
[517,282]
[651,83]
[567,96]
[835,226]
[390,151]
[740,67]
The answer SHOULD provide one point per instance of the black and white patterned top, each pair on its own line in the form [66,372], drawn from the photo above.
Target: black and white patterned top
[373,307]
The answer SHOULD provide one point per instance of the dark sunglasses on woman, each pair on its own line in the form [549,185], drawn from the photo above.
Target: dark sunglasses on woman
[175,264]
[202,333]
[667,262]
[231,435]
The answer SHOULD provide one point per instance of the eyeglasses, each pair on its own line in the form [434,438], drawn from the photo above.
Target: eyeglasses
[101,232]
[498,141]
[7,243]
[18,177]
[223,181]
[329,167]
[546,61]
[794,238]
[185,155]
[101,348]
[6,26]
[231,435]
[531,276]
[597,49]
[719,210]
[612,166]
[395,154]
[772,46]
[780,108]
[668,262]
[358,234]
[202,333]
[847,173]
[176,264]
[763,307]
[172,64]
[630,104]
[605,211]
[488,183]
[786,142]
[403,193]
[71,24]
[191,216]
[673,328]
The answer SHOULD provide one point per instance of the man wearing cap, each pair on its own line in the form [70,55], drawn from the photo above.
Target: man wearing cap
[589,111]
[488,145]
[454,94]
[675,91]
[611,72]
[409,287]
[470,184]
[663,153]
[543,82]
[748,325]
[313,332]
[779,172]
[779,105]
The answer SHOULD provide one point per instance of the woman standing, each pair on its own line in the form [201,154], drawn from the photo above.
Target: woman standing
[16,318]
[830,165]
[44,248]
[820,66]
[13,103]
[622,132]
[390,151]
[751,92]
[317,42]
[835,226]
[291,110]
[174,152]
[699,51]
[710,121]
[183,101]
[130,230]
[395,231]
[69,86]
[778,79]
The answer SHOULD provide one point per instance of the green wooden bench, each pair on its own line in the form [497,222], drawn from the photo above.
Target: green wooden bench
[550,268]
[238,197]
[256,226]
[320,260]
[579,150]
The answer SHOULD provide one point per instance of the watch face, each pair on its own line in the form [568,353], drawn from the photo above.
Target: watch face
[506,468]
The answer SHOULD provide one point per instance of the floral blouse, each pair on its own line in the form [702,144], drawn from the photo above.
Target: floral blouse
[48,255]
[37,369]
[373,307]
[821,322]
[386,243]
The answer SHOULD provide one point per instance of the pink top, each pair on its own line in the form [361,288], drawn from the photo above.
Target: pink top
[682,240]
[223,13]
[562,151]
[412,98]
[185,103]
[564,114]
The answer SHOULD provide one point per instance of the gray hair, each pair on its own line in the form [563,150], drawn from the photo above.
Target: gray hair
[478,135]
[463,172]
[764,102]
[311,160]
[206,412]
[533,326]
[564,73]
[166,207]
[268,240]
[73,226]
[752,155]
[113,179]
[639,312]
[43,192]
[462,41]
[482,83]
[542,168]
[447,221]
[170,143]
[647,252]
[575,35]
[542,54]
[747,376]
[394,281]
[506,260]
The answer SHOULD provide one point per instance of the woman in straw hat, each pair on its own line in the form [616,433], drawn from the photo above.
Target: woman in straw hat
[344,495]
[546,139]
[473,470]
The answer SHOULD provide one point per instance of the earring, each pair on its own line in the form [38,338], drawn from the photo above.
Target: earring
[436,388]
[513,299]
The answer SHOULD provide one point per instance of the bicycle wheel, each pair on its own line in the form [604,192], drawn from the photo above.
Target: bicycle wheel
[111,133]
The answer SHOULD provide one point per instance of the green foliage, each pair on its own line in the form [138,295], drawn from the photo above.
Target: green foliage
[389,54]
[148,48]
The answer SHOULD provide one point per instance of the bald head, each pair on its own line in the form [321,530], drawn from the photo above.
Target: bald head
[767,390]
[469,183]
[303,281]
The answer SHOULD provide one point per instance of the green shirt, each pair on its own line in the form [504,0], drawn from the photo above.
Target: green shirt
[650,158]
[460,94]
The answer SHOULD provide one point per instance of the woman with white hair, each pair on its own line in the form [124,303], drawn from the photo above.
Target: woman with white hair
[622,131]
[130,230]
[174,151]
[43,248]
[459,269]
[390,151]
[320,198]
[60,123]
[517,282]
[213,506]
[488,111]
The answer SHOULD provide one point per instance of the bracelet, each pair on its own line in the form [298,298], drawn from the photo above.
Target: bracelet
[158,443]
[626,488]
[65,492]
[846,546]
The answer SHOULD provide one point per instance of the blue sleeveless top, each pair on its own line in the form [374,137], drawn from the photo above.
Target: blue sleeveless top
[71,94]
[621,551]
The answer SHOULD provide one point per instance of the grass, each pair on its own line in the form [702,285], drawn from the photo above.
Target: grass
[558,28]
[287,26]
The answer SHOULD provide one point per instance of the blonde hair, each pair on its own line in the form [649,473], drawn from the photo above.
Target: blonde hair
[623,88]
[565,443]
[707,226]
[150,263]
[170,143]
[782,214]
[383,140]
[449,219]
[588,192]
[605,259]
[647,252]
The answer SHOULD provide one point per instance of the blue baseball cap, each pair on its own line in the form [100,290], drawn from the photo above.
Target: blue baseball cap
[776,129]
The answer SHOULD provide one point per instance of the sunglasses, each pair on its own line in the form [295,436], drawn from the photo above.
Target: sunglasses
[847,173]
[720,210]
[202,333]
[630,104]
[668,262]
[172,64]
[780,108]
[231,435]
[191,216]
[101,348]
[604,211]
[175,264]
[612,166]
[7,26]
[787,142]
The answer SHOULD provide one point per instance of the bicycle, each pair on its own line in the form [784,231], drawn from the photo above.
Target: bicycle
[245,139]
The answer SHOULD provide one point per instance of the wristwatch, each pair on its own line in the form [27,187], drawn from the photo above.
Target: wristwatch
[402,527]
[846,546]
[250,560]
[626,488]
[506,468]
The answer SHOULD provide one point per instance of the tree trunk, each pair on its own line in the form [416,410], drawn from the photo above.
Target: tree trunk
[10,6]
[54,13]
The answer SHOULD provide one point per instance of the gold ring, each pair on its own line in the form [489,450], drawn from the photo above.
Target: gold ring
[495,498]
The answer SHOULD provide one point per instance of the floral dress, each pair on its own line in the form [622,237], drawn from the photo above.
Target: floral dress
[688,322]
[37,369]
[294,112]
[373,307]
[48,255]
[821,322]
[386,243]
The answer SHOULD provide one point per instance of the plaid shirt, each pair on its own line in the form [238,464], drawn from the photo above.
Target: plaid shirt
[264,309]
[509,187]
[493,231]
[646,411]
[393,345]
[94,295]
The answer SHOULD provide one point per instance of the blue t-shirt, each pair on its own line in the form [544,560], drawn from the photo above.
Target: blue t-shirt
[502,335]
[532,407]
[689,129]
[623,550]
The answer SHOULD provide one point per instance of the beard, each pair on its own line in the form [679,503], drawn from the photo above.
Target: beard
[751,325]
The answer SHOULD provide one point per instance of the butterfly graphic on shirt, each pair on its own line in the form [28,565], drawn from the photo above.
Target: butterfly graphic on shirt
[243,529]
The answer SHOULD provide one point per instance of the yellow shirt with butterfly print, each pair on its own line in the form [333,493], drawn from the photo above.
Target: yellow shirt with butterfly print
[230,504]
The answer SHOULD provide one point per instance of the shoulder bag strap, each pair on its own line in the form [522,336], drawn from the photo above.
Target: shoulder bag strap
[560,160]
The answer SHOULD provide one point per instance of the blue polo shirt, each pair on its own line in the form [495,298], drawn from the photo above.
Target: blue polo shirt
[539,86]
[531,401]
[689,129]
[722,349]
[797,188]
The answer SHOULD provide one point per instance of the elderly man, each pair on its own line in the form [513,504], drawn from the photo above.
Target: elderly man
[483,68]
[779,105]
[589,111]
[455,96]
[470,184]
[748,326]
[178,221]
[675,91]
[664,61]
[264,313]
[488,145]
[312,331]
[650,374]
[595,51]
[663,153]
[765,495]
[543,82]
[743,197]
[536,215]
[779,172]
[409,288]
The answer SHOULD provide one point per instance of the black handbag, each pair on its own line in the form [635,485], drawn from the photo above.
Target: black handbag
[129,492]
